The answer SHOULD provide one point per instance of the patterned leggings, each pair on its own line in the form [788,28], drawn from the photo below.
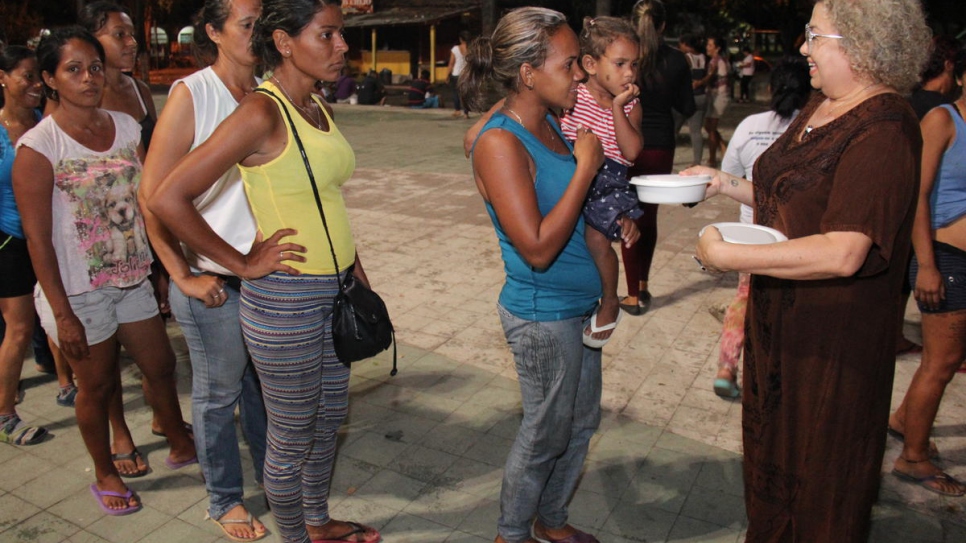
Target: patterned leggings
[733,333]
[306,392]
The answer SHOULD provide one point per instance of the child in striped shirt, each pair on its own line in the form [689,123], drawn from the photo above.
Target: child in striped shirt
[607,104]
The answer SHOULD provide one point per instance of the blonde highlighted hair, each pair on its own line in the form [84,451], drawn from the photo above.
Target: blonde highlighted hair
[522,36]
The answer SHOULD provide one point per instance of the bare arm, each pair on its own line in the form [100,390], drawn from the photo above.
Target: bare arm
[33,184]
[628,128]
[820,256]
[732,186]
[253,134]
[504,176]
[172,143]
[937,133]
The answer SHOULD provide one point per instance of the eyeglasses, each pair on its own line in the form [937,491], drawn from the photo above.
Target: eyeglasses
[810,36]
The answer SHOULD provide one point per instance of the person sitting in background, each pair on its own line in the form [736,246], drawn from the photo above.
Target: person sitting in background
[345,88]
[371,90]
[421,93]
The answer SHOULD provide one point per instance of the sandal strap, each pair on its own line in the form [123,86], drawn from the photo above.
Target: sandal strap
[133,455]
[357,529]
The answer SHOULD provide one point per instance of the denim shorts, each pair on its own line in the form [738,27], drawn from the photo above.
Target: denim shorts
[101,310]
[951,262]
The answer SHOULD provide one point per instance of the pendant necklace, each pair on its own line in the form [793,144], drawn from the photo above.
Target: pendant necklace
[809,128]
[304,109]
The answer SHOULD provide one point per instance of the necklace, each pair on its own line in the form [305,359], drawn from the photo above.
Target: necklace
[553,140]
[317,118]
[831,108]
[514,113]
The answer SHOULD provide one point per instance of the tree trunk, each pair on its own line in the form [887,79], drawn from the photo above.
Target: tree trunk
[603,8]
[489,17]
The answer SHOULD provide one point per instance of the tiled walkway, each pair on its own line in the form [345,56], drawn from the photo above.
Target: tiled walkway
[421,453]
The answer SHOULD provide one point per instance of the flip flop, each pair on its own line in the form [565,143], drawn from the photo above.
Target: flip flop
[577,537]
[924,482]
[356,529]
[187,426]
[178,465]
[99,497]
[133,457]
[726,388]
[593,329]
[248,520]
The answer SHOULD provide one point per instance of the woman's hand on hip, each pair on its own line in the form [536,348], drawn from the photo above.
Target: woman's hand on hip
[930,290]
[268,256]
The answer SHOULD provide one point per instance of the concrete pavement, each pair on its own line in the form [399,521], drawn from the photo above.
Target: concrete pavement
[421,453]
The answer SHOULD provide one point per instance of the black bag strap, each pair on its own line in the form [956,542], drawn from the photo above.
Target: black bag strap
[318,203]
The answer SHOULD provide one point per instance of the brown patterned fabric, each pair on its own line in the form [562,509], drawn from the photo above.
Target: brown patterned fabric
[820,354]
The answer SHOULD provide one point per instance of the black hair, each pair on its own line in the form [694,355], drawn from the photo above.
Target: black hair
[959,65]
[291,16]
[943,50]
[214,13]
[10,57]
[465,36]
[424,74]
[94,15]
[790,86]
[49,50]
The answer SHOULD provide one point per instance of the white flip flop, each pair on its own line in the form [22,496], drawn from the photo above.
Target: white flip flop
[589,340]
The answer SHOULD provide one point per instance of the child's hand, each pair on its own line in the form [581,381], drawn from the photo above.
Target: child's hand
[629,231]
[631,91]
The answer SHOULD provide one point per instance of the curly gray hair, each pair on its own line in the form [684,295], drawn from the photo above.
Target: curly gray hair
[887,40]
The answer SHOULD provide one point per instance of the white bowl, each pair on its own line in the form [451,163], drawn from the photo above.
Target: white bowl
[671,188]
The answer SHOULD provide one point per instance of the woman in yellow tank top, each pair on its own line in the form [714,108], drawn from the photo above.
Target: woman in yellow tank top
[289,275]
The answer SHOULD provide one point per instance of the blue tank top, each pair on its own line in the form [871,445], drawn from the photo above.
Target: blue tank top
[570,286]
[9,215]
[948,198]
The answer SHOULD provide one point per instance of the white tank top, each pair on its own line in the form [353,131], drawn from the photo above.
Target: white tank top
[224,206]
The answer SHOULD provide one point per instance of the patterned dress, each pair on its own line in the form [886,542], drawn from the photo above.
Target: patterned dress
[820,355]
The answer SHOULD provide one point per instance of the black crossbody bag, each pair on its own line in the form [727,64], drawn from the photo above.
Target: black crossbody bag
[360,321]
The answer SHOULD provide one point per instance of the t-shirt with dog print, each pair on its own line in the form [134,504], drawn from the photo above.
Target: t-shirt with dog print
[98,232]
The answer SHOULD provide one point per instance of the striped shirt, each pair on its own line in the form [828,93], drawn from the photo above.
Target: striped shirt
[599,120]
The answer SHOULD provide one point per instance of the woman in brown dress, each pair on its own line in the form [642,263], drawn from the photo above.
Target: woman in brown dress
[841,183]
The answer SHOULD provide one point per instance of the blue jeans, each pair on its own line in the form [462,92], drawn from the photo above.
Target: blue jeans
[223,377]
[560,382]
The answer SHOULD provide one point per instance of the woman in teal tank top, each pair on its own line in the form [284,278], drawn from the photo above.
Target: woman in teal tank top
[534,185]
[289,279]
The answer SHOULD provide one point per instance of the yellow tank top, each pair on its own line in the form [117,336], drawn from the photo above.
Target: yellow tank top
[280,193]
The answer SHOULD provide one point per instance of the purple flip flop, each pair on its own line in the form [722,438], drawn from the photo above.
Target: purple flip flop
[179,465]
[99,495]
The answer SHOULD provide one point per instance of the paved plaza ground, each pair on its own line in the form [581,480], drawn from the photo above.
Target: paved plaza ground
[420,456]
